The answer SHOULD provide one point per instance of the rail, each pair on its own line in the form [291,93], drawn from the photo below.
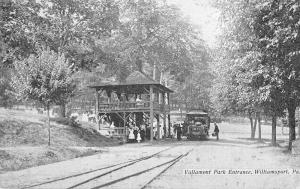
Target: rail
[115,167]
[117,131]
[143,105]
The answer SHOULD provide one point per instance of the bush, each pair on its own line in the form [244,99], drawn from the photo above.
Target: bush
[66,121]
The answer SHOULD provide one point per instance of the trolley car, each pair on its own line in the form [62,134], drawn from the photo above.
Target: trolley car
[197,124]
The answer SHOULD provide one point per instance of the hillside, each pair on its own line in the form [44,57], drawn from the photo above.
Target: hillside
[24,137]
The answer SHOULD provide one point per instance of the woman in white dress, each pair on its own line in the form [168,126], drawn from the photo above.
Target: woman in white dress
[131,137]
[138,138]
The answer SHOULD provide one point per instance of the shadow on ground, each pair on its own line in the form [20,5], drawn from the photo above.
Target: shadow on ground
[238,142]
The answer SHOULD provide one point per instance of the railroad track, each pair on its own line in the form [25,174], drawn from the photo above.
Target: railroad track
[168,163]
[112,169]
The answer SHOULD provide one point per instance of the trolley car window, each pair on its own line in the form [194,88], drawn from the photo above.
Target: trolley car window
[197,120]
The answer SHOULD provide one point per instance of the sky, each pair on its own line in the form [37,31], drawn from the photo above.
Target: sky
[203,14]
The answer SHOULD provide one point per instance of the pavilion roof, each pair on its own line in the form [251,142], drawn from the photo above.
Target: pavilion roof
[138,78]
[135,81]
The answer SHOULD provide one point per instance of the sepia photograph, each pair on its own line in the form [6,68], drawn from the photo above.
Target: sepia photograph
[150,94]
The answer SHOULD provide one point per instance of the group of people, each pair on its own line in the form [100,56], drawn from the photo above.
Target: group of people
[178,128]
[136,134]
[178,131]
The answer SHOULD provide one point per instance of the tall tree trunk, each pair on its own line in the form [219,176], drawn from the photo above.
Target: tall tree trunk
[274,118]
[292,124]
[259,125]
[298,126]
[251,123]
[282,125]
[62,108]
[254,128]
[154,76]
[48,122]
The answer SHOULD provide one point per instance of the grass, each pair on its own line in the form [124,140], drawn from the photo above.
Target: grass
[24,137]
[16,158]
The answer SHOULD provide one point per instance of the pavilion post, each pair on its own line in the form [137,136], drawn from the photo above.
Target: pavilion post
[97,108]
[158,126]
[164,114]
[169,118]
[151,113]
[124,120]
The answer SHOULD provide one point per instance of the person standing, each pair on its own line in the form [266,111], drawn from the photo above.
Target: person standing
[138,137]
[179,132]
[216,131]
[148,133]
[135,132]
[131,138]
[142,133]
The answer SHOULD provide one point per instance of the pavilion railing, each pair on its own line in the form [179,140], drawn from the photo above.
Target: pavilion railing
[144,105]
[118,131]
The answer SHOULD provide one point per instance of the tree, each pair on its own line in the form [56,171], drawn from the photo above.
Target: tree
[194,91]
[277,27]
[236,63]
[273,105]
[154,37]
[269,30]
[18,21]
[121,36]
[153,33]
[6,100]
[72,27]
[65,26]
[44,78]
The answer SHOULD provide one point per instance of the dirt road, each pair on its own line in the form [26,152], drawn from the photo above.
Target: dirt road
[232,162]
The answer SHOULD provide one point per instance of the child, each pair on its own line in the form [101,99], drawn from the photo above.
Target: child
[138,138]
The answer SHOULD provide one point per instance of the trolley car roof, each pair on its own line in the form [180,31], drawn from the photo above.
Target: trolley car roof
[197,113]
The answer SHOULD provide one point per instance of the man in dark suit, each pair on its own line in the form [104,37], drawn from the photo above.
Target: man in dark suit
[179,131]
[216,131]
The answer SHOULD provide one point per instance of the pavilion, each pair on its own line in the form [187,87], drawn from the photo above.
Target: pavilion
[135,101]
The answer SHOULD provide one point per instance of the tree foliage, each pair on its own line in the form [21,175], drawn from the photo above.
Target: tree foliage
[44,78]
[236,59]
[279,41]
[260,54]
[153,33]
[116,36]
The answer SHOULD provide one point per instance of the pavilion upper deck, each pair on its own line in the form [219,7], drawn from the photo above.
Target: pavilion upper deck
[143,106]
